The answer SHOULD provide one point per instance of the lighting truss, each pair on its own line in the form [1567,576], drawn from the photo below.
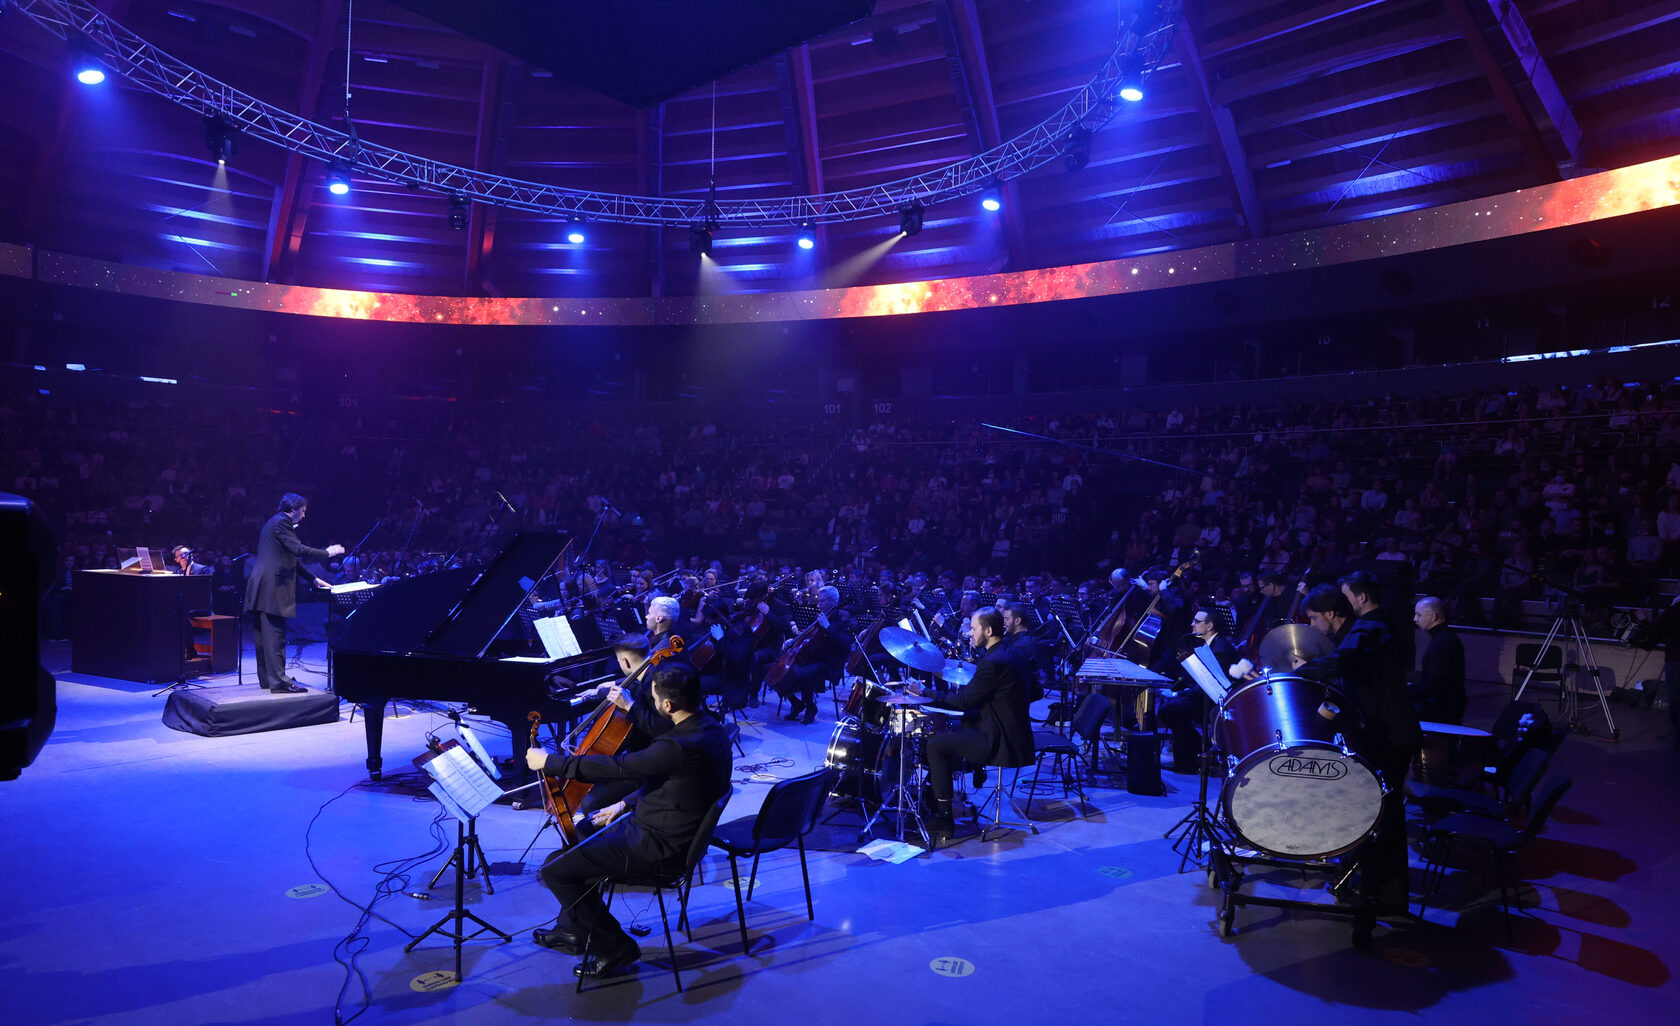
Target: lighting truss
[149,68]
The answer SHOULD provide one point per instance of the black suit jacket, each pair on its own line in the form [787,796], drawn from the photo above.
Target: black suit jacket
[683,773]
[272,586]
[1366,672]
[1439,691]
[999,697]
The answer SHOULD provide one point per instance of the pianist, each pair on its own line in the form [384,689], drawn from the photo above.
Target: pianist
[271,591]
[186,564]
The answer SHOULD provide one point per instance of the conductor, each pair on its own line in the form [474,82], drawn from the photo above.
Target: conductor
[271,591]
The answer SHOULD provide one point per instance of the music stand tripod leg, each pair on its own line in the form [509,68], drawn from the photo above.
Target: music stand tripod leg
[459,914]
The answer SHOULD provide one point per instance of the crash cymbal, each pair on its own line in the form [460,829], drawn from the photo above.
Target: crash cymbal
[1284,644]
[957,672]
[912,649]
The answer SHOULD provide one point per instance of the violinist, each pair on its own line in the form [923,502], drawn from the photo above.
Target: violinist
[823,657]
[677,779]
[1274,608]
[665,618]
[707,651]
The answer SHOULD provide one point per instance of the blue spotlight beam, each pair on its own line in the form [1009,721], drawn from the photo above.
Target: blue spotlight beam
[151,69]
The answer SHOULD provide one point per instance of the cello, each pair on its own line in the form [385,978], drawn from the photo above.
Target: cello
[604,737]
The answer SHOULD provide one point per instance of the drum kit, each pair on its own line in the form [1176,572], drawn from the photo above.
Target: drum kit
[878,744]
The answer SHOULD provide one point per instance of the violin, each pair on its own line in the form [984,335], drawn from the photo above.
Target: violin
[604,737]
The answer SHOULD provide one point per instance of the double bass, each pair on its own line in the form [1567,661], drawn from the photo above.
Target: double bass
[605,736]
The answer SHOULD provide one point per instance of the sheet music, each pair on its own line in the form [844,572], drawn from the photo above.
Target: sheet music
[345,589]
[464,782]
[1205,670]
[557,637]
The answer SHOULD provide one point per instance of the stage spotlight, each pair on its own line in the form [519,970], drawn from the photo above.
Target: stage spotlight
[910,219]
[1078,151]
[1131,78]
[338,179]
[807,238]
[87,70]
[220,139]
[700,240]
[574,233]
[991,200]
[458,211]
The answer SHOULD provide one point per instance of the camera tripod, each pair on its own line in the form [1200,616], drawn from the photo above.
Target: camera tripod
[1566,628]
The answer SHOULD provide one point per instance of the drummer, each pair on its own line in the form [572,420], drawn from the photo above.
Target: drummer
[1367,679]
[997,699]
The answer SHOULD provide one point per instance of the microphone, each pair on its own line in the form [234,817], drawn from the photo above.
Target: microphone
[608,506]
[509,505]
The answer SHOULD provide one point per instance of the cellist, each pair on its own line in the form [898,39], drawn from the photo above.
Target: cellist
[632,695]
[678,778]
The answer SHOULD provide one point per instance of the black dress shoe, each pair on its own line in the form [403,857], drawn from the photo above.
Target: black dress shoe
[597,967]
[288,689]
[979,777]
[810,713]
[794,711]
[559,939]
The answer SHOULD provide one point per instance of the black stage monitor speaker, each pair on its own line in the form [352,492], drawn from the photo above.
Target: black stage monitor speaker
[28,693]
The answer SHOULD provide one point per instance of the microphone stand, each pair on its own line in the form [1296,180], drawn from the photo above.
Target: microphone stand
[403,557]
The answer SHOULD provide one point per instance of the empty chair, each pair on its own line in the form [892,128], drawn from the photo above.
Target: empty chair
[789,812]
[1501,838]
[1086,724]
[1440,801]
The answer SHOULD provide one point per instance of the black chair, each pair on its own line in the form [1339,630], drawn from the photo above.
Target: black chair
[1503,840]
[789,812]
[1440,801]
[1087,722]
[1547,671]
[679,881]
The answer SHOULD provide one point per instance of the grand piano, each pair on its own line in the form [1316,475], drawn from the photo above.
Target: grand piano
[434,638]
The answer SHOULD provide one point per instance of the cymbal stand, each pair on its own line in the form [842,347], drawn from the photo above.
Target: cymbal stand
[1569,620]
[901,790]
[1198,832]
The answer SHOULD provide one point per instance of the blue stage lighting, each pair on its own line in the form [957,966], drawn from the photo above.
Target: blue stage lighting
[575,235]
[807,238]
[991,200]
[338,180]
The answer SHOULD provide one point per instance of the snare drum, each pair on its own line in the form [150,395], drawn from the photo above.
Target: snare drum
[936,719]
[1293,789]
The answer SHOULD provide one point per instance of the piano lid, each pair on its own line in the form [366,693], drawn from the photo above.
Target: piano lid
[453,612]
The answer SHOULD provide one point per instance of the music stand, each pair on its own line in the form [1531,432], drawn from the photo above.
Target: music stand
[463,788]
[1198,832]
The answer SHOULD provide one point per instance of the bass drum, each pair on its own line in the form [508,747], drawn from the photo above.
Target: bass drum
[1294,789]
[867,761]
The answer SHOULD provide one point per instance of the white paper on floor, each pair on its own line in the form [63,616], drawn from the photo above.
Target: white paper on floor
[890,851]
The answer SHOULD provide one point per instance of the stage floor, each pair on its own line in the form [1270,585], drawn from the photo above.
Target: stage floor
[150,878]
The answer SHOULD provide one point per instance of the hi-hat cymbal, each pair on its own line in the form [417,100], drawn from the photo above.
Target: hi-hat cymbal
[957,672]
[912,649]
[1284,644]
[906,700]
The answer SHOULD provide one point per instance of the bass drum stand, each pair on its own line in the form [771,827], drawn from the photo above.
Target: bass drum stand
[900,727]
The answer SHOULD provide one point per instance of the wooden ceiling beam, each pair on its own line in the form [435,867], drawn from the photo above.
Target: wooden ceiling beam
[289,213]
[1222,132]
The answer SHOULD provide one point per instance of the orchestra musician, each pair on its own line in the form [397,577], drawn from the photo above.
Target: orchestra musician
[825,657]
[1023,649]
[678,778]
[1183,709]
[997,699]
[1438,693]
[753,640]
[631,653]
[1366,678]
[185,564]
[271,590]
